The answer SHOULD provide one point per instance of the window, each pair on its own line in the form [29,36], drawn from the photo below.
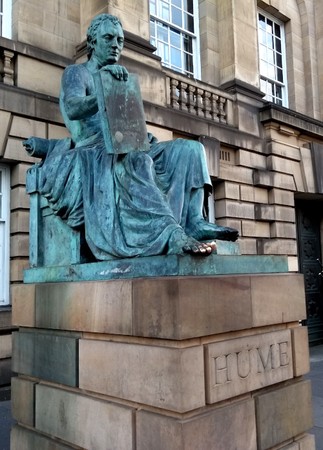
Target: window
[272,60]
[4,235]
[5,18]
[173,31]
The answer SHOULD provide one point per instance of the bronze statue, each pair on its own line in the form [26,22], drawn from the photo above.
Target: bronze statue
[139,203]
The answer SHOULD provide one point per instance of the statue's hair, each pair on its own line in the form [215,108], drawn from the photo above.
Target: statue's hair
[93,28]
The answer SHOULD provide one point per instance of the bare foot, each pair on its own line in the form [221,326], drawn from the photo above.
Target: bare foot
[200,248]
[203,230]
[181,243]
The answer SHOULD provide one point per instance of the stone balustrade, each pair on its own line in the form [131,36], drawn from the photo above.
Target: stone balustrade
[7,71]
[199,99]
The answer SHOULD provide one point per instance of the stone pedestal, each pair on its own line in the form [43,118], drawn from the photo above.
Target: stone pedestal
[173,363]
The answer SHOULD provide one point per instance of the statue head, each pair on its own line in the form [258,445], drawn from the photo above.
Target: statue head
[105,38]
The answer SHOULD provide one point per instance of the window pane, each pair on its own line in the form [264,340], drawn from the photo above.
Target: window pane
[278,45]
[165,13]
[162,32]
[277,30]
[189,63]
[189,23]
[280,75]
[152,5]
[279,60]
[176,57]
[163,51]
[152,29]
[177,17]
[175,38]
[262,22]
[271,71]
[177,3]
[270,56]
[269,26]
[188,44]
[188,6]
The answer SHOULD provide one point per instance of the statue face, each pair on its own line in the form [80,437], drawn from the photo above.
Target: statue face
[109,43]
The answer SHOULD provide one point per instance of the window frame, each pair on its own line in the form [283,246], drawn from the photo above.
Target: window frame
[6,19]
[4,234]
[266,78]
[181,30]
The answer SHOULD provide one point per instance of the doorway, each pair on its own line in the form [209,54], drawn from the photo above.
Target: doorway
[309,217]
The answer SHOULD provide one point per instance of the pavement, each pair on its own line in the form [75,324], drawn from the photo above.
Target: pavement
[315,375]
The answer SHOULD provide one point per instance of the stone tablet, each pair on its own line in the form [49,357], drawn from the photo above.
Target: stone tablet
[122,114]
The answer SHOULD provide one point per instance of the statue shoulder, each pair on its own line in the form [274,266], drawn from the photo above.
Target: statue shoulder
[74,74]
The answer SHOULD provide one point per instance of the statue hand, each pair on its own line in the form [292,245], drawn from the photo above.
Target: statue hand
[117,71]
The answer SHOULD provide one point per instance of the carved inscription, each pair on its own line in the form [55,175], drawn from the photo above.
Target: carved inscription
[243,365]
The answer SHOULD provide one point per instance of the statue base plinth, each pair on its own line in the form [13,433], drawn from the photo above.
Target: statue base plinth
[176,363]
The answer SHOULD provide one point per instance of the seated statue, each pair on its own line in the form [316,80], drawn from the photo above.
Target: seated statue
[139,203]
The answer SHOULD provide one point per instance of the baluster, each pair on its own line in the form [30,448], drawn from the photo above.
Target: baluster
[214,107]
[183,96]
[191,99]
[174,93]
[207,104]
[222,113]
[199,102]
[8,72]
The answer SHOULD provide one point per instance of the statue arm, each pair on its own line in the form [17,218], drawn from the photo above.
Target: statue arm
[78,102]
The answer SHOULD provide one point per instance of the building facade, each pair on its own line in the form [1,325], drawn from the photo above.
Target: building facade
[245,77]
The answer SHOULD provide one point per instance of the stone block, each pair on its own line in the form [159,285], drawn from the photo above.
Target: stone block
[231,427]
[283,414]
[25,439]
[19,198]
[14,151]
[283,230]
[39,76]
[293,264]
[23,127]
[5,118]
[277,247]
[168,378]
[22,401]
[284,149]
[277,299]
[253,194]
[253,228]
[265,212]
[307,442]
[237,174]
[228,208]
[307,169]
[23,305]
[301,356]
[47,356]
[19,222]
[251,159]
[5,346]
[248,246]
[264,178]
[285,165]
[281,197]
[237,366]
[84,421]
[227,190]
[98,307]
[18,173]
[19,245]
[57,132]
[189,307]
